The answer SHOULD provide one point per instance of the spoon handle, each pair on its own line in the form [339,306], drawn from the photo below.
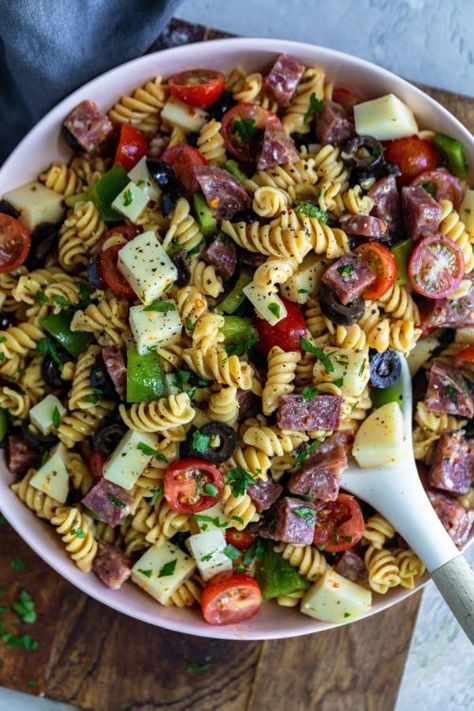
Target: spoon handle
[455,581]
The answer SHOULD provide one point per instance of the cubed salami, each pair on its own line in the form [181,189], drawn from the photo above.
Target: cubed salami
[448,392]
[335,124]
[345,439]
[322,412]
[451,468]
[264,494]
[319,477]
[110,502]
[88,125]
[444,185]
[365,226]
[421,212]
[277,147]
[222,255]
[456,520]
[20,457]
[386,199]
[111,565]
[348,277]
[114,362]
[248,403]
[450,313]
[294,521]
[224,194]
[281,82]
[351,566]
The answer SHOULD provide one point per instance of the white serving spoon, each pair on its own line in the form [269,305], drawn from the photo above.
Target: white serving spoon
[396,491]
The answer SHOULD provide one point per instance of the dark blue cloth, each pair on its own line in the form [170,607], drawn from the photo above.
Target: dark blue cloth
[48,48]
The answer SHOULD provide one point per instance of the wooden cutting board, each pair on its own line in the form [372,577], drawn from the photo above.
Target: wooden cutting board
[95,658]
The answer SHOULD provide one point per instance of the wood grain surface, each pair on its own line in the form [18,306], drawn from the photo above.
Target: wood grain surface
[95,658]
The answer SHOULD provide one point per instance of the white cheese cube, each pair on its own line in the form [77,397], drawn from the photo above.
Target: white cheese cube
[385,118]
[207,550]
[211,519]
[154,328]
[336,599]
[146,266]
[351,369]
[467,210]
[128,461]
[380,439]
[141,177]
[43,413]
[268,306]
[186,117]
[131,202]
[421,353]
[161,570]
[305,281]
[36,204]
[53,477]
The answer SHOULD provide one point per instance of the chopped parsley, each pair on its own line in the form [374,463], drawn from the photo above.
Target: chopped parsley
[246,129]
[201,442]
[347,614]
[168,568]
[46,347]
[189,325]
[452,393]
[239,478]
[231,552]
[308,515]
[127,197]
[41,298]
[192,667]
[239,519]
[56,417]
[304,453]
[255,551]
[339,382]
[430,189]
[61,301]
[155,494]
[78,532]
[149,451]
[309,393]
[315,107]
[25,608]
[210,489]
[215,520]
[243,346]
[31,684]
[308,347]
[115,501]
[85,293]
[274,308]
[146,573]
[94,396]
[160,306]
[311,210]
[346,271]
[18,564]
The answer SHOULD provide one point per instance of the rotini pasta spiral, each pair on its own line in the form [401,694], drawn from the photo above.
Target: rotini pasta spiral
[352,337]
[249,88]
[191,305]
[187,594]
[239,509]
[43,505]
[19,340]
[89,170]
[205,278]
[28,285]
[171,356]
[403,335]
[398,302]
[274,271]
[76,533]
[18,404]
[330,241]
[211,143]
[377,531]
[224,406]
[79,424]
[271,240]
[376,328]
[280,376]
[207,332]
[62,179]
[410,567]
[329,165]
[297,119]
[315,320]
[217,365]
[82,396]
[107,320]
[287,177]
[81,231]
[252,459]
[164,522]
[183,230]
[437,422]
[158,415]
[81,476]
[451,226]
[309,561]
[269,201]
[32,379]
[355,203]
[382,568]
[142,109]
[291,600]
[424,443]
[273,441]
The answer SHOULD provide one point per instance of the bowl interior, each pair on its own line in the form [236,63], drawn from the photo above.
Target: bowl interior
[44,145]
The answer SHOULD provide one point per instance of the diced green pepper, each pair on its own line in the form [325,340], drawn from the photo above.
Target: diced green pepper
[452,151]
[204,215]
[382,396]
[145,377]
[104,192]
[59,326]
[401,253]
[232,167]
[236,328]
[236,297]
[276,576]
[4,423]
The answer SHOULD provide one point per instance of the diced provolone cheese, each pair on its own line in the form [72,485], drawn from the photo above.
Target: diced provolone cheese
[131,202]
[141,177]
[421,353]
[305,281]
[467,211]
[36,204]
[128,460]
[154,328]
[350,369]
[385,118]
[336,599]
[186,117]
[53,477]
[146,266]
[210,519]
[207,550]
[161,570]
[42,415]
[268,306]
[380,439]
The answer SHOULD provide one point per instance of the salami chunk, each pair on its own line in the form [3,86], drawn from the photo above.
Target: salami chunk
[224,194]
[456,520]
[323,412]
[294,521]
[386,199]
[345,439]
[111,565]
[451,467]
[110,502]
[222,255]
[248,403]
[448,392]
[320,476]
[264,494]
[19,457]
[348,277]
[450,313]
[281,82]
[335,124]
[351,566]
[277,147]
[114,362]
[422,214]
[365,226]
[88,125]
[444,185]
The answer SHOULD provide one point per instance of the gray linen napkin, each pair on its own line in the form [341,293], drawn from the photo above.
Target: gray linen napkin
[48,48]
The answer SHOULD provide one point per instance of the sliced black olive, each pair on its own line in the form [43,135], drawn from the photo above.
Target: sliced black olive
[192,138]
[50,370]
[7,209]
[337,312]
[162,173]
[169,200]
[100,379]
[38,441]
[363,152]
[6,319]
[301,139]
[107,437]
[248,216]
[43,241]
[225,102]
[93,274]
[181,264]
[71,140]
[179,539]
[385,369]
[198,442]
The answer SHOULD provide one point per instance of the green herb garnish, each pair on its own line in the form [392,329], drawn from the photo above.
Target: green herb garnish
[346,271]
[116,501]
[247,129]
[192,668]
[168,568]
[311,210]
[25,608]
[56,417]
[307,514]
[304,454]
[127,197]
[430,189]
[41,298]
[46,347]
[18,564]
[231,552]
[61,301]
[215,520]
[160,306]
[200,442]
[239,478]
[147,573]
[149,451]
[315,107]
[309,393]
[155,494]
[210,489]
[308,347]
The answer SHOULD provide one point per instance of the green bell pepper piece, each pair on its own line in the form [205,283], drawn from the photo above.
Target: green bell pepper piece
[4,423]
[204,215]
[401,253]
[236,297]
[74,199]
[382,396]
[59,326]
[276,576]
[452,151]
[236,328]
[104,192]
[145,377]
[232,167]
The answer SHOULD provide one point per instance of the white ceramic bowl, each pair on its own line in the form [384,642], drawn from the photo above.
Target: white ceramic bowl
[44,145]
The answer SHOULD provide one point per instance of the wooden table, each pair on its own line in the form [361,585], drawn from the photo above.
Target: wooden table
[95,658]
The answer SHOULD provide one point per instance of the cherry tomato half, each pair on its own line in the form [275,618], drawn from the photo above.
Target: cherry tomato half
[465,356]
[413,156]
[96,465]
[184,159]
[197,87]
[287,333]
[239,539]
[110,274]
[229,598]
[15,243]
[192,485]
[339,524]
[382,263]
[128,231]
[242,129]
[132,146]
[345,97]
[435,267]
